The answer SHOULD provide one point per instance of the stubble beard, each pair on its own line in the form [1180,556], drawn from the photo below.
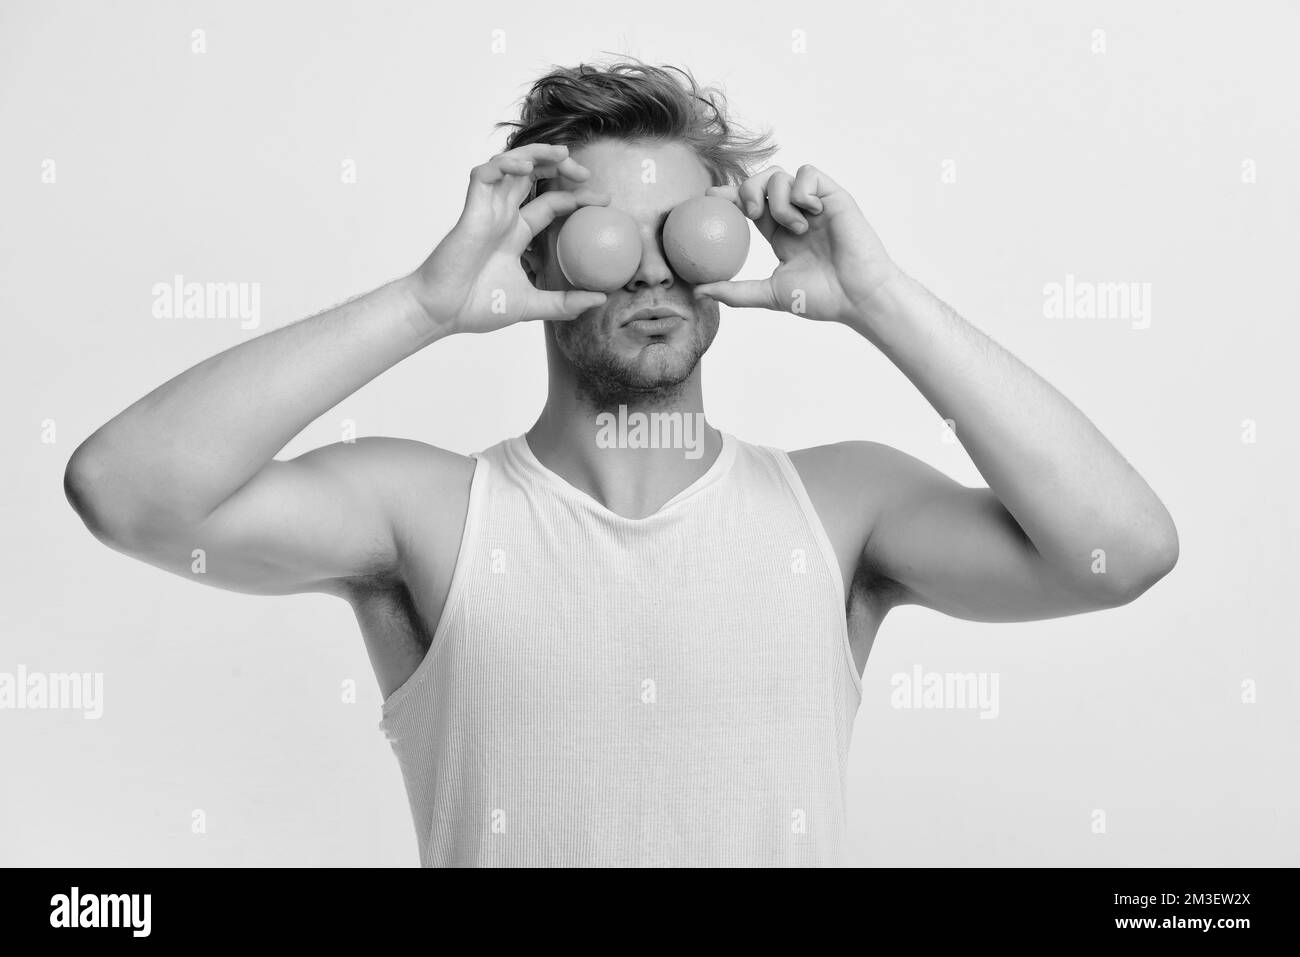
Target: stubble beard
[656,378]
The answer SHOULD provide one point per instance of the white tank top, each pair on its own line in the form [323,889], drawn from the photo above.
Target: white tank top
[675,690]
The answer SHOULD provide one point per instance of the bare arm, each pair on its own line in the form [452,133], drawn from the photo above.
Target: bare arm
[190,465]
[1066,524]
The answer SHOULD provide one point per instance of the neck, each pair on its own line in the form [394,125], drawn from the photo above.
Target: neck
[615,451]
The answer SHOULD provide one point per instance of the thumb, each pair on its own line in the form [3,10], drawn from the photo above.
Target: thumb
[566,305]
[753,293]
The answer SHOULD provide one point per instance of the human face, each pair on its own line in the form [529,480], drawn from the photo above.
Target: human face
[618,354]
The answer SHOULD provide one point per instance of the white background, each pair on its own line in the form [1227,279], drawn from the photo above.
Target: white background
[1119,166]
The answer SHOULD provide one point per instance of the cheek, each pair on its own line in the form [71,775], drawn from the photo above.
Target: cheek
[583,331]
[707,313]
[707,322]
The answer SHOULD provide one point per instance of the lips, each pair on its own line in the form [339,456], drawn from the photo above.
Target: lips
[654,312]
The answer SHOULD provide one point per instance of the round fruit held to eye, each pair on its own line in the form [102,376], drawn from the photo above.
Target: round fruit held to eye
[598,248]
[706,239]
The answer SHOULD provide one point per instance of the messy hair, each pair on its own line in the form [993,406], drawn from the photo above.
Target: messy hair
[629,99]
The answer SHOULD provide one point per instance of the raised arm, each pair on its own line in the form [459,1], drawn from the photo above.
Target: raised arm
[191,465]
[1065,525]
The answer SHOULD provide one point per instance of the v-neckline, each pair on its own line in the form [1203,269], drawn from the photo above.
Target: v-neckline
[721,463]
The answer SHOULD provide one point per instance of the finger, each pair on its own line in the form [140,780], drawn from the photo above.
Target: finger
[564,306]
[545,209]
[568,167]
[537,160]
[513,165]
[520,186]
[752,294]
[730,193]
[806,191]
[766,225]
[486,174]
[539,153]
[778,204]
[753,192]
[501,168]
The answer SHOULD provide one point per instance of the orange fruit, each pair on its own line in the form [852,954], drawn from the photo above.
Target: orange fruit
[598,248]
[706,239]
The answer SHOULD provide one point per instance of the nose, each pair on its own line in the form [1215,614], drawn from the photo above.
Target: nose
[653,270]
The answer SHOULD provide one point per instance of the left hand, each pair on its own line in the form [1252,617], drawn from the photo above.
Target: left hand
[832,267]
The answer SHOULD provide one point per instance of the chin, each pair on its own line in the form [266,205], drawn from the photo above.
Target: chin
[661,363]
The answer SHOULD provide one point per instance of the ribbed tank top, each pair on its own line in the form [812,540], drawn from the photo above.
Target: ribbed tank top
[674,690]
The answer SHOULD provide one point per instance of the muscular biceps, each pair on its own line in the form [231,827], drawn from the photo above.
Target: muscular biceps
[313,523]
[916,536]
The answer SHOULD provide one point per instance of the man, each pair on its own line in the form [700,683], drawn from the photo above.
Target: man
[599,654]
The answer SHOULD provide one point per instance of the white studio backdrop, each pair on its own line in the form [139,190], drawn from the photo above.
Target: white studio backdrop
[318,150]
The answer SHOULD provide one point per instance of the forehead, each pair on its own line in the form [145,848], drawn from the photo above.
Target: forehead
[642,175]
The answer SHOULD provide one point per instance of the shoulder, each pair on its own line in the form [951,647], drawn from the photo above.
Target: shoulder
[860,481]
[853,471]
[426,488]
[851,485]
[856,451]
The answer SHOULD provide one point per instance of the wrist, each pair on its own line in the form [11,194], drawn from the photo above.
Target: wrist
[425,311]
[884,300]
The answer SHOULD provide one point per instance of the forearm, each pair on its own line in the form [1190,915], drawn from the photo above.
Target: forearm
[184,448]
[1063,482]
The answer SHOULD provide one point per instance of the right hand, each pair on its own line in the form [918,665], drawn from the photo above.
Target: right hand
[474,281]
